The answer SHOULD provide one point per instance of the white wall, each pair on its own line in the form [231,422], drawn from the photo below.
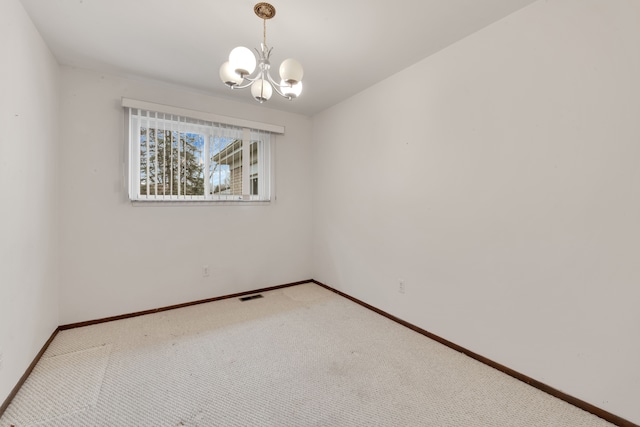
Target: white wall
[117,258]
[500,178]
[28,143]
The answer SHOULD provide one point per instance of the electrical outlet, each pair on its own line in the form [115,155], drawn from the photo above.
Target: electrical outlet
[205,271]
[401,287]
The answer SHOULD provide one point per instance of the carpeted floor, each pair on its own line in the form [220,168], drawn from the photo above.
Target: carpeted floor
[300,356]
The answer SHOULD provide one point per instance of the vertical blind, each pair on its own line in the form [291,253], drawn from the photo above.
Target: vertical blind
[174,157]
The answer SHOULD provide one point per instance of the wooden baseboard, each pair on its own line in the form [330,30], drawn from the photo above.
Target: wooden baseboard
[608,416]
[173,307]
[26,374]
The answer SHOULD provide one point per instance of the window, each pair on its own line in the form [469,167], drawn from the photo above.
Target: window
[177,158]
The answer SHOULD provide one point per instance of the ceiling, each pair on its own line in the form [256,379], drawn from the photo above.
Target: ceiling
[344,46]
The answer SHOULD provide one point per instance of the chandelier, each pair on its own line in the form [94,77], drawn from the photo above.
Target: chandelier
[242,64]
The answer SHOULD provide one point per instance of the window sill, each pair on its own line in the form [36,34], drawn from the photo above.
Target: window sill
[139,203]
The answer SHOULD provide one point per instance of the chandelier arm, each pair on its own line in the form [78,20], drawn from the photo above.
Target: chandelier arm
[274,83]
[277,86]
[251,80]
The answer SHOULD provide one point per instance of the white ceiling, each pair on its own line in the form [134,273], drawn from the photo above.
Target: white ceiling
[345,46]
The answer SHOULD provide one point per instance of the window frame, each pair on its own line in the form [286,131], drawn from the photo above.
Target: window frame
[196,119]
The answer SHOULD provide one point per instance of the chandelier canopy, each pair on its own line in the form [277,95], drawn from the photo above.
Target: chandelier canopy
[238,71]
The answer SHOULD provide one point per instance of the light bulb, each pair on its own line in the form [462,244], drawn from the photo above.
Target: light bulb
[291,71]
[242,61]
[229,76]
[261,90]
[291,91]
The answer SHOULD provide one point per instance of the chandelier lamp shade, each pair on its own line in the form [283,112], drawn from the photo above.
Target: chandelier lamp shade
[243,69]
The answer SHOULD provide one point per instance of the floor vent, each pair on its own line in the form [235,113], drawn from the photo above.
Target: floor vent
[250,297]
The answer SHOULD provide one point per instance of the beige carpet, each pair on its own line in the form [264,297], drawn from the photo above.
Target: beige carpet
[300,356]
